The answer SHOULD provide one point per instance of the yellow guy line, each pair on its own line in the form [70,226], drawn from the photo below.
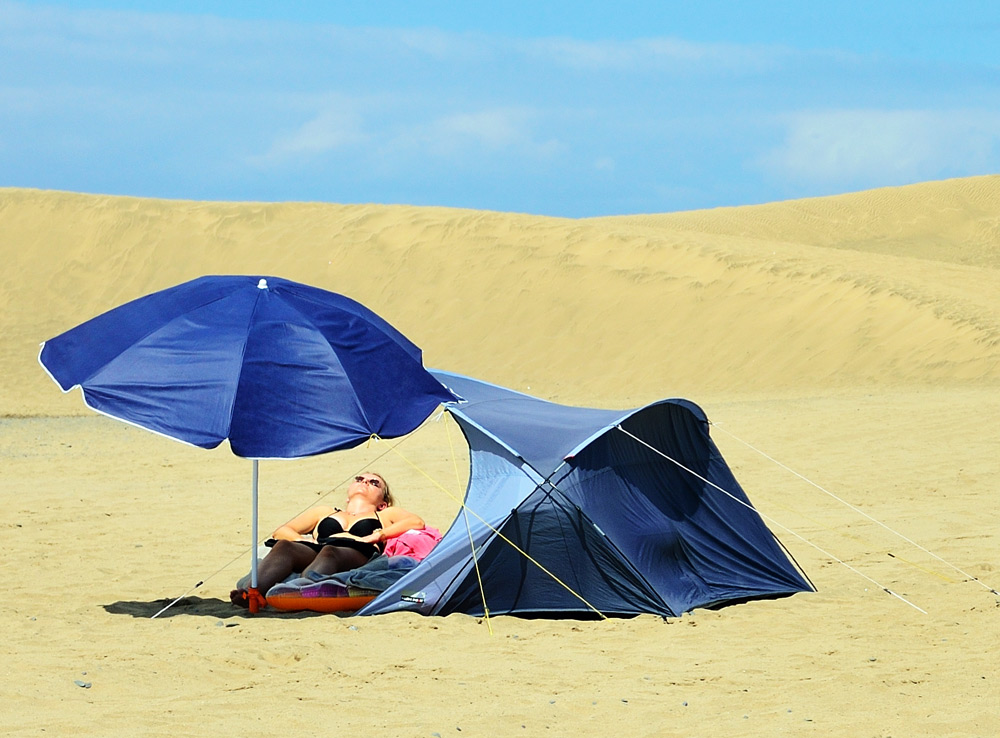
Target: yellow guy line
[924,569]
[502,536]
[468,527]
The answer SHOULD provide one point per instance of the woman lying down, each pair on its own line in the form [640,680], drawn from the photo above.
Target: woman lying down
[328,540]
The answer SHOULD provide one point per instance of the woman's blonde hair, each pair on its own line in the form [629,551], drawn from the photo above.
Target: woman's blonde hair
[387,497]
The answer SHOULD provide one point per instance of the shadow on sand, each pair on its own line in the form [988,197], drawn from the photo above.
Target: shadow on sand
[211,607]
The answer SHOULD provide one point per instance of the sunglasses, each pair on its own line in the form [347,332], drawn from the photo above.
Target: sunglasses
[373,481]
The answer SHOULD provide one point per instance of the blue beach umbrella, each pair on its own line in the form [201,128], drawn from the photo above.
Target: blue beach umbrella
[280,369]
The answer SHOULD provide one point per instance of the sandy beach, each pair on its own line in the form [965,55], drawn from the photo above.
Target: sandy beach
[854,339]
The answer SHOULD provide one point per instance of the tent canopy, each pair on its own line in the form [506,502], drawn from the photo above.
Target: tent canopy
[568,514]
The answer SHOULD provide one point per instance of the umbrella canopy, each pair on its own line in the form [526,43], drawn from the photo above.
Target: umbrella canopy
[281,369]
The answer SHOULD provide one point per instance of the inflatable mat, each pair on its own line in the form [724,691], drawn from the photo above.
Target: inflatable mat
[319,597]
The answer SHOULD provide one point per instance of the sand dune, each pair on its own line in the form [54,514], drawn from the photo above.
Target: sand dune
[743,299]
[954,221]
[856,339]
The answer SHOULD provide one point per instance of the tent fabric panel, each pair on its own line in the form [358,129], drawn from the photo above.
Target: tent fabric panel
[542,433]
[695,544]
[497,484]
[559,537]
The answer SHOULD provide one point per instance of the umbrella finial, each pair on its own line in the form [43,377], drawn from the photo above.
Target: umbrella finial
[262,284]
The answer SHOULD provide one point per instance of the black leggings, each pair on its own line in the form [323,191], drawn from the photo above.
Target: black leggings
[287,557]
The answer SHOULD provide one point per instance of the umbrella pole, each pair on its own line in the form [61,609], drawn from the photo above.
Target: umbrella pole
[254,596]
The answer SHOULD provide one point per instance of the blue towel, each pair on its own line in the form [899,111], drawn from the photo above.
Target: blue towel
[376,576]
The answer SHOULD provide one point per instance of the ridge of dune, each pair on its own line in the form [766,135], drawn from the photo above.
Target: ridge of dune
[955,221]
[766,298]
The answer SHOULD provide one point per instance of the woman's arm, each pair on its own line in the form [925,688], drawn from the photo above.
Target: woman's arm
[395,522]
[301,526]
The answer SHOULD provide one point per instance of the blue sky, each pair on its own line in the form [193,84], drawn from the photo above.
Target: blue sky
[571,109]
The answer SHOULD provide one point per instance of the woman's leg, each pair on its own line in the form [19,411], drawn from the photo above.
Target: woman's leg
[285,558]
[335,559]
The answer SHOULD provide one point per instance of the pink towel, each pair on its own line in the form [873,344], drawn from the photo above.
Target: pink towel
[415,543]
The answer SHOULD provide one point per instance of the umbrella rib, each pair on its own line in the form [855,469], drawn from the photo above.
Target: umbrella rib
[139,339]
[307,319]
[243,352]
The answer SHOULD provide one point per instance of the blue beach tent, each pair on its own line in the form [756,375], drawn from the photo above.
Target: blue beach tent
[574,510]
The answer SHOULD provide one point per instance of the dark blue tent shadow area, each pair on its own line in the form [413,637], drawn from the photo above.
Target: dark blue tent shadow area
[583,512]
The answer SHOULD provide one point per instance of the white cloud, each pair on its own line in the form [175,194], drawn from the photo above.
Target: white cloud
[491,128]
[393,135]
[650,53]
[508,131]
[604,164]
[336,127]
[845,147]
[129,37]
[433,43]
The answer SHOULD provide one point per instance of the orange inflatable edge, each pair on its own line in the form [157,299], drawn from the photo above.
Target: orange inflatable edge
[319,604]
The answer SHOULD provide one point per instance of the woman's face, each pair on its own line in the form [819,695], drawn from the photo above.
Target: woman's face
[370,486]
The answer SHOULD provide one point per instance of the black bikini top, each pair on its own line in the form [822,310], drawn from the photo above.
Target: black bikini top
[331,526]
